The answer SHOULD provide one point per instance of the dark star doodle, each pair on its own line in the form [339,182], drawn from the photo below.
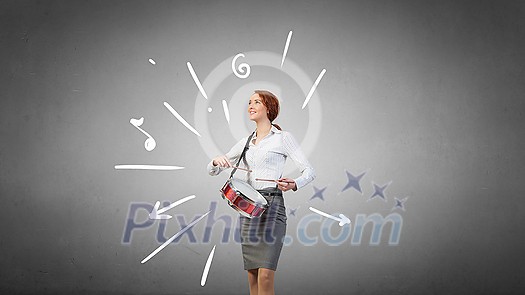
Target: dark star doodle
[353,181]
[400,203]
[379,191]
[292,211]
[318,193]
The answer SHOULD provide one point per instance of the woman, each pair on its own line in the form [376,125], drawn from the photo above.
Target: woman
[262,238]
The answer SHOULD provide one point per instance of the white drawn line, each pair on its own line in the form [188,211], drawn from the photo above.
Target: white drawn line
[286,47]
[180,118]
[147,167]
[207,267]
[172,238]
[313,88]
[151,61]
[226,111]
[196,79]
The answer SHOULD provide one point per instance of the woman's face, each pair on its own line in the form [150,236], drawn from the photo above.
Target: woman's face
[256,109]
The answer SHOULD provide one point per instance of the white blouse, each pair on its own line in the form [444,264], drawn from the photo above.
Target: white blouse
[267,159]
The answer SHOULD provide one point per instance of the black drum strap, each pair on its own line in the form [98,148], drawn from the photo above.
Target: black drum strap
[246,146]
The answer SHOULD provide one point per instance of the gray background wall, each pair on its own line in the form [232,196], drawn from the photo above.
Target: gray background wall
[425,94]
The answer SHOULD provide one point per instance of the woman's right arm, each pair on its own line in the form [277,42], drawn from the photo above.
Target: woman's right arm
[220,163]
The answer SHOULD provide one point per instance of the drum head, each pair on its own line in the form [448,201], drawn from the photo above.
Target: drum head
[248,191]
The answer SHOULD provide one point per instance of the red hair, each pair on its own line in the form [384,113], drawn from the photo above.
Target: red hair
[271,102]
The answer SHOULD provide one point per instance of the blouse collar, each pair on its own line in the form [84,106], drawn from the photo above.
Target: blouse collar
[272,130]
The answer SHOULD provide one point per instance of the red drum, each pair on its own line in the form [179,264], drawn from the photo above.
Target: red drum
[244,198]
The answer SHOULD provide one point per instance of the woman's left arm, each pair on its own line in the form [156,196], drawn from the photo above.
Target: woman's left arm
[293,150]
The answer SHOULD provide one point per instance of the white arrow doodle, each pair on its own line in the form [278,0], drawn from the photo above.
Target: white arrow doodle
[172,238]
[156,213]
[342,219]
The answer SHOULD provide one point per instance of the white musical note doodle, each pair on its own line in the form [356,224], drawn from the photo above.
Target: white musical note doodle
[150,143]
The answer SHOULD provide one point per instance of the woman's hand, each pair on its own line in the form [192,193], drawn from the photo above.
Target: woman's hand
[286,184]
[222,161]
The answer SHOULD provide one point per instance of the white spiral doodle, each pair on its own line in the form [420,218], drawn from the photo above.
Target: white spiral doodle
[243,68]
[222,72]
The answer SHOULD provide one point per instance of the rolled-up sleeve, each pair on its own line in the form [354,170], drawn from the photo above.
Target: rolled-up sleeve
[293,150]
[233,155]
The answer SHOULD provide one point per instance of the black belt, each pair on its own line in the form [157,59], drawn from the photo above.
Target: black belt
[270,192]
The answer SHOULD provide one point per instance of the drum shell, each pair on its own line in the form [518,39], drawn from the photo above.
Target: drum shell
[240,202]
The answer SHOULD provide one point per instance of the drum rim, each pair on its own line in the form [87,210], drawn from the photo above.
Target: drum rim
[262,202]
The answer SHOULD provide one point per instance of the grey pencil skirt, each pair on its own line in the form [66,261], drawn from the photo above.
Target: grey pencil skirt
[262,237]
